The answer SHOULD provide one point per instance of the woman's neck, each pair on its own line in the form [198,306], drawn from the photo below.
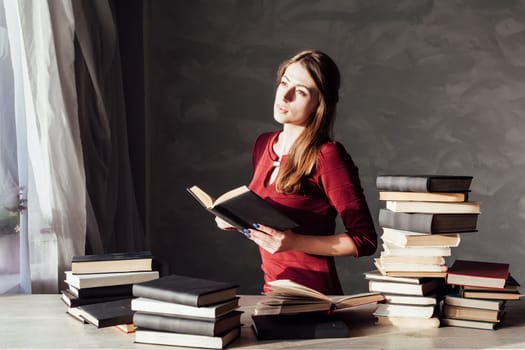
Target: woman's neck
[286,139]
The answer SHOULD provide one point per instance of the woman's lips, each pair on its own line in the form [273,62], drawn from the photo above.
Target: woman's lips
[281,109]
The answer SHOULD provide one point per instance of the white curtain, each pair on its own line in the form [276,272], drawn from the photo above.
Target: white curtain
[64,162]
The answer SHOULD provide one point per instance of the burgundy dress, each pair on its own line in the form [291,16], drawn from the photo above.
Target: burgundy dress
[332,189]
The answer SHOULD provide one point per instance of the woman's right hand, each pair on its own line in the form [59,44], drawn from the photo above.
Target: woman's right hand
[223,225]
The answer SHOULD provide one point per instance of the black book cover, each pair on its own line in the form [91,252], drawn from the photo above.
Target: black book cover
[423,183]
[113,256]
[186,290]
[300,326]
[107,291]
[73,301]
[428,223]
[108,314]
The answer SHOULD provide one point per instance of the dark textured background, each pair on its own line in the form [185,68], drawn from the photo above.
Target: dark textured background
[428,87]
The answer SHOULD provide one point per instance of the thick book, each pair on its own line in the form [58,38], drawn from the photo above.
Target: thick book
[408,322]
[241,208]
[455,299]
[453,322]
[152,306]
[423,196]
[406,266]
[186,290]
[470,313]
[147,336]
[423,183]
[424,288]
[73,301]
[390,249]
[404,310]
[433,207]
[404,239]
[99,292]
[108,279]
[411,299]
[310,326]
[428,222]
[209,327]
[107,314]
[478,273]
[412,260]
[288,297]
[408,271]
[112,262]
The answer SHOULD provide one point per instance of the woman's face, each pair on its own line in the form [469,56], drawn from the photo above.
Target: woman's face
[296,98]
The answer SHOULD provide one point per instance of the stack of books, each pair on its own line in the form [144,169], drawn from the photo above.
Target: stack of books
[99,287]
[423,218]
[186,311]
[480,292]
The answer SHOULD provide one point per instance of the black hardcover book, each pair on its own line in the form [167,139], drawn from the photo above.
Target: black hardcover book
[209,327]
[301,326]
[106,291]
[242,208]
[423,183]
[186,290]
[107,314]
[428,223]
[112,256]
[73,301]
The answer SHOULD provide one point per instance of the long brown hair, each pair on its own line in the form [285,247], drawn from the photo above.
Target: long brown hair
[303,154]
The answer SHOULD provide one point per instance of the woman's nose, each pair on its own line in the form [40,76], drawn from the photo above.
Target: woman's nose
[288,94]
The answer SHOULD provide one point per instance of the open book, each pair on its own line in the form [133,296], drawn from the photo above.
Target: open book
[242,208]
[288,297]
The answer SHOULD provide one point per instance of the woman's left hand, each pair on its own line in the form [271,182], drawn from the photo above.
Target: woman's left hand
[272,240]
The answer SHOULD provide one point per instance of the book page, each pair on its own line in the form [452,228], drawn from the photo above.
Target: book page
[231,194]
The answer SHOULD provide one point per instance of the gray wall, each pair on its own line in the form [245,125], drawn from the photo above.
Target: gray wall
[428,87]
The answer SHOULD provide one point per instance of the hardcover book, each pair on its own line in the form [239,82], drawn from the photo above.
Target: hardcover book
[73,301]
[390,249]
[311,326]
[433,207]
[423,196]
[408,322]
[112,262]
[428,223]
[98,292]
[152,306]
[453,322]
[242,208]
[209,327]
[107,314]
[478,273]
[456,300]
[190,340]
[376,275]
[108,279]
[403,310]
[423,183]
[404,239]
[469,313]
[186,290]
[288,297]
[425,288]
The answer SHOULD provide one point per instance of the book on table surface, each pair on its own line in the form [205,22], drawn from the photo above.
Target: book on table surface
[112,262]
[72,301]
[433,207]
[289,297]
[242,208]
[456,299]
[423,183]
[424,288]
[209,327]
[453,322]
[424,196]
[470,313]
[186,290]
[152,306]
[409,272]
[390,249]
[408,322]
[147,336]
[108,279]
[404,310]
[428,222]
[98,292]
[478,273]
[401,238]
[107,314]
[302,326]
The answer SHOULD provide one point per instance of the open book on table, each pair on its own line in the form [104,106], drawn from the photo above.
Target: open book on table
[288,297]
[242,208]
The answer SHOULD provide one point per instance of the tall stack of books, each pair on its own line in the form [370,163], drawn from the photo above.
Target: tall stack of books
[480,292]
[422,220]
[99,287]
[186,311]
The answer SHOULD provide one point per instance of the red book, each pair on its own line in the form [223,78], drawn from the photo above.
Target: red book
[478,274]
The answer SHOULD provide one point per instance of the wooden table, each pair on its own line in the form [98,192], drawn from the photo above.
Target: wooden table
[40,321]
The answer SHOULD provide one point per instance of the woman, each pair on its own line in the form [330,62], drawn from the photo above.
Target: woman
[311,178]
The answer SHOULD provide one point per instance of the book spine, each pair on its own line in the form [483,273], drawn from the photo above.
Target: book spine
[173,324]
[402,183]
[165,295]
[417,222]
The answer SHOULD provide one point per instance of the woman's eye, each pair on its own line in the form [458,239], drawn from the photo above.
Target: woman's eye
[301,93]
[282,83]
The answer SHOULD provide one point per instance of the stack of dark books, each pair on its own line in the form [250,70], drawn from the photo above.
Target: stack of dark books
[480,292]
[186,311]
[99,287]
[424,217]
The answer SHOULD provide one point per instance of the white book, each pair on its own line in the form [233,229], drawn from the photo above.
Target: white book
[408,322]
[412,267]
[434,207]
[375,275]
[392,250]
[392,259]
[189,340]
[108,279]
[457,300]
[398,310]
[410,299]
[423,196]
[152,306]
[402,238]
[424,288]
[454,322]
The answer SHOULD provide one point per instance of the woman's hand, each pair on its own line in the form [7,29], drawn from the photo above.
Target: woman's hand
[223,225]
[272,240]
